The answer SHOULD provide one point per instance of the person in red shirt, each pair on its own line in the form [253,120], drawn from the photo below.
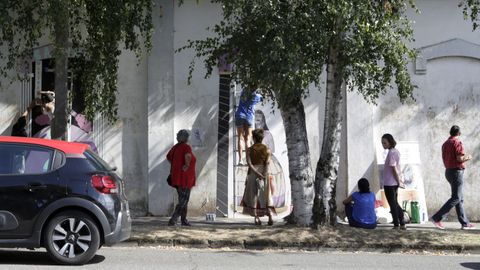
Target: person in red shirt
[183,177]
[454,159]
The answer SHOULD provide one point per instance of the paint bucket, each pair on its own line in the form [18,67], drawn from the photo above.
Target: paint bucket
[415,212]
[210,217]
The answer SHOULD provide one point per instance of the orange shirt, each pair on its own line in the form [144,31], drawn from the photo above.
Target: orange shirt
[258,154]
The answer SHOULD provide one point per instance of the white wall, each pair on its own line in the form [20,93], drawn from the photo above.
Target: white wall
[10,95]
[360,143]
[440,20]
[447,94]
[161,108]
[196,105]
[127,146]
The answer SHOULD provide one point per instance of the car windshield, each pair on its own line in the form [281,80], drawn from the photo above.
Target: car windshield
[97,161]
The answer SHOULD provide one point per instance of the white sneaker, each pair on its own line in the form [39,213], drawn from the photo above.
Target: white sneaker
[340,221]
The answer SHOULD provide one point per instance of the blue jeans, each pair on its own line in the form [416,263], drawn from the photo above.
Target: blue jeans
[352,222]
[455,178]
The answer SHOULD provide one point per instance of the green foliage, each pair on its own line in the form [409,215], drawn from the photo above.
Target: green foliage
[282,46]
[373,47]
[471,9]
[19,32]
[270,43]
[97,29]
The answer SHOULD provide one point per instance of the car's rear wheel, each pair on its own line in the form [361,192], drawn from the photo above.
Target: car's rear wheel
[71,238]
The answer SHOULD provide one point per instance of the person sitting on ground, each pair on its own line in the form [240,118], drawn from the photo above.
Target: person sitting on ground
[360,207]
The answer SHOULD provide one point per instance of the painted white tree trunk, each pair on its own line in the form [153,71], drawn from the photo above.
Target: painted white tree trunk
[301,174]
[326,175]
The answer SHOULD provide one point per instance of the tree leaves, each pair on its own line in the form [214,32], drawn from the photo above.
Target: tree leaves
[282,45]
[470,10]
[271,44]
[98,29]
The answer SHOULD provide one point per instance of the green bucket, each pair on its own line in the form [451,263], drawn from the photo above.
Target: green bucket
[415,211]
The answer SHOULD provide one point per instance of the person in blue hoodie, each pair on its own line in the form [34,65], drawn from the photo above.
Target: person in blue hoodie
[360,207]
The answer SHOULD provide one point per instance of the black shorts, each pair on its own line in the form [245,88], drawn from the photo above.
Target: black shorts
[241,122]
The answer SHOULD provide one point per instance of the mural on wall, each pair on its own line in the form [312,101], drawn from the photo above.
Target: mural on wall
[265,118]
[276,171]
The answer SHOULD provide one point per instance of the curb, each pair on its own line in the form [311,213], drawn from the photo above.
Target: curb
[240,236]
[267,244]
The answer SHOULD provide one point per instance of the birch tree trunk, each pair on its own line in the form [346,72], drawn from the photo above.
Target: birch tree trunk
[324,209]
[301,175]
[61,30]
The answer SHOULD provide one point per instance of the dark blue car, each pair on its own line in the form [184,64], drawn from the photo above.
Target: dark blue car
[60,196]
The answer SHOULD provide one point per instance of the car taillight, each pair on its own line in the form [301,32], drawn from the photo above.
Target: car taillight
[104,184]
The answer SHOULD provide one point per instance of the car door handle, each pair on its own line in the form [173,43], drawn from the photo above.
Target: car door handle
[36,186]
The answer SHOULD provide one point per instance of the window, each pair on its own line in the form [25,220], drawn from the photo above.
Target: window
[97,162]
[22,159]
[58,160]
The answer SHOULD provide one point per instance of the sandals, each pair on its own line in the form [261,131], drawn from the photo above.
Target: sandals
[259,222]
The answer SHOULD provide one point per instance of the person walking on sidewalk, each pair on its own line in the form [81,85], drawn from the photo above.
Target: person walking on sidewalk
[183,178]
[392,180]
[360,207]
[244,116]
[454,159]
[257,198]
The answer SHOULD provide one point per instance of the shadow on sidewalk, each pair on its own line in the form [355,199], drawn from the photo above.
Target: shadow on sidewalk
[471,265]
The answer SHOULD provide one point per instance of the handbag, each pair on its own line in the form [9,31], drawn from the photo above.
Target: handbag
[169,180]
[169,177]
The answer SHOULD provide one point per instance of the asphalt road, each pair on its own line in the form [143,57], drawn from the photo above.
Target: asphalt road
[160,258]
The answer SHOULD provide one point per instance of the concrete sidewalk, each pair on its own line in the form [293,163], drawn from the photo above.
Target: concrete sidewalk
[242,234]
